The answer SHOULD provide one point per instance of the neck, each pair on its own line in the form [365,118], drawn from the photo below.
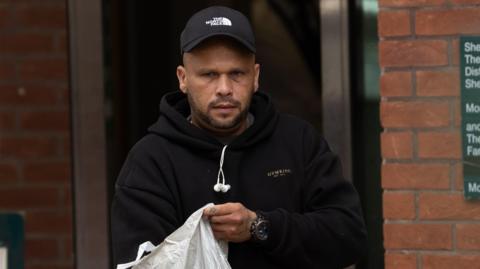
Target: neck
[222,132]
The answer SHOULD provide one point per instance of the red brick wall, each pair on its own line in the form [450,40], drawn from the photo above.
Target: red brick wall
[34,128]
[427,222]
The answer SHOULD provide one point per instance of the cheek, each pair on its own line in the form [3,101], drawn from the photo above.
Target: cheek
[200,98]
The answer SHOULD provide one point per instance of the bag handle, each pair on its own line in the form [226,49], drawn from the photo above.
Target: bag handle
[144,247]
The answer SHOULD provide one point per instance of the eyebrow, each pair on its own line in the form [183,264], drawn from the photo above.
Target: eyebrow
[235,69]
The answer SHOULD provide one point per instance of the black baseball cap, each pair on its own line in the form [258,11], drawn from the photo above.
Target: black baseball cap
[216,21]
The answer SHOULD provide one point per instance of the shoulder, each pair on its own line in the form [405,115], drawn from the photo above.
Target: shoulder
[304,132]
[146,146]
[296,126]
[149,150]
[143,163]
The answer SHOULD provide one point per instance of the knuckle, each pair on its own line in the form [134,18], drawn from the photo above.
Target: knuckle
[237,219]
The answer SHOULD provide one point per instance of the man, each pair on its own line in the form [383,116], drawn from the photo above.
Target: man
[280,198]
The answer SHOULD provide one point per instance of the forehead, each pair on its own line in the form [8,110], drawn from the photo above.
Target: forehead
[216,48]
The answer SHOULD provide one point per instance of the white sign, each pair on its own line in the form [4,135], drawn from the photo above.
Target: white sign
[3,257]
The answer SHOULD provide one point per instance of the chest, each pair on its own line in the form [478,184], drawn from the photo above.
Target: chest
[261,180]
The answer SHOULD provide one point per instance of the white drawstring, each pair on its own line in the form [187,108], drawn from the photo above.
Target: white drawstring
[221,186]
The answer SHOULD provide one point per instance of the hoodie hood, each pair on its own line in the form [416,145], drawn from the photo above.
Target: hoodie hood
[173,125]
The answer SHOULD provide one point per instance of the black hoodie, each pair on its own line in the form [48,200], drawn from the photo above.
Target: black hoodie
[278,166]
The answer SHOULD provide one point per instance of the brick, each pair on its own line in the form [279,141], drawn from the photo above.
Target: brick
[400,261]
[458,176]
[43,69]
[415,176]
[47,172]
[394,23]
[409,3]
[28,95]
[398,205]
[417,236]
[68,248]
[49,223]
[22,43]
[42,16]
[468,236]
[439,145]
[67,147]
[67,199]
[457,116]
[397,145]
[444,206]
[455,52]
[415,114]
[62,42]
[457,261]
[45,120]
[7,71]
[7,120]
[448,22]
[413,53]
[396,84]
[4,16]
[8,173]
[461,2]
[27,147]
[41,249]
[28,197]
[431,83]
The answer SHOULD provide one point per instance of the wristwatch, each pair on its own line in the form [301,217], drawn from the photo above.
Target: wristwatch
[259,228]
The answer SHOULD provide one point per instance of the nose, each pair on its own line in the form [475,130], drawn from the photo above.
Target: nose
[224,86]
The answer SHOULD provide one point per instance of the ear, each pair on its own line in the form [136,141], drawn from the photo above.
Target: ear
[182,78]
[257,75]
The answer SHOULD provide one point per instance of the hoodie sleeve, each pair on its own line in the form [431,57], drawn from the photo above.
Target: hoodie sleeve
[330,232]
[143,208]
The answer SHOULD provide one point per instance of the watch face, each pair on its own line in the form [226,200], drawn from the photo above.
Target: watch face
[262,230]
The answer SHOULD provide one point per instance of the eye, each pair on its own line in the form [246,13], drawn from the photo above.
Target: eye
[236,74]
[209,74]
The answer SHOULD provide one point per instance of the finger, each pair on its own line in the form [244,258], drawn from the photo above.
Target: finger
[227,231]
[219,235]
[221,227]
[230,233]
[227,208]
[210,211]
[234,218]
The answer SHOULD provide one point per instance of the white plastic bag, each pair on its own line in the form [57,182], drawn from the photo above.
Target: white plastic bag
[190,246]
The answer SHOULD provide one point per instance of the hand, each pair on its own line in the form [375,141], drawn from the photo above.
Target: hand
[230,221]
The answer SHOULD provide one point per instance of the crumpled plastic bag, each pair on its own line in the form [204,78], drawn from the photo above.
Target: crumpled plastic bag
[190,246]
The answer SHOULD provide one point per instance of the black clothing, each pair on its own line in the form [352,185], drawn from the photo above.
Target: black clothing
[279,166]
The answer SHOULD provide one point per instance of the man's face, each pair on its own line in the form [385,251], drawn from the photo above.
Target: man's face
[219,78]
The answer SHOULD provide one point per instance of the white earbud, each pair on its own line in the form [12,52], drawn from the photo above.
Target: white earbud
[220,187]
[225,188]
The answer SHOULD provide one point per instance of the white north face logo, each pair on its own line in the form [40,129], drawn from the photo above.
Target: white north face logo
[219,21]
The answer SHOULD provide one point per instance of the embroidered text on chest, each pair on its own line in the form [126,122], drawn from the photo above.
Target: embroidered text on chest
[279,173]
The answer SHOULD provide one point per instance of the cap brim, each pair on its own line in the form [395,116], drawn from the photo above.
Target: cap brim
[188,47]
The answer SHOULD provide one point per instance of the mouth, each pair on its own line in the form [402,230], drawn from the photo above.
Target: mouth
[224,107]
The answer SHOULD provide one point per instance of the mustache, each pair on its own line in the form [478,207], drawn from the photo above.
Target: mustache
[224,100]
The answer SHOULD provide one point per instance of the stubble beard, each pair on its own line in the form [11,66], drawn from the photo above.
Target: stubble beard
[219,124]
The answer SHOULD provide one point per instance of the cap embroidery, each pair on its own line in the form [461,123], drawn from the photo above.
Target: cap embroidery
[215,21]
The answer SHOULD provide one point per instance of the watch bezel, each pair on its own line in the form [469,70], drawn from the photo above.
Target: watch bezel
[259,228]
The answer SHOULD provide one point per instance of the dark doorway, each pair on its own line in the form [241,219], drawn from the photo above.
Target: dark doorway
[366,124]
